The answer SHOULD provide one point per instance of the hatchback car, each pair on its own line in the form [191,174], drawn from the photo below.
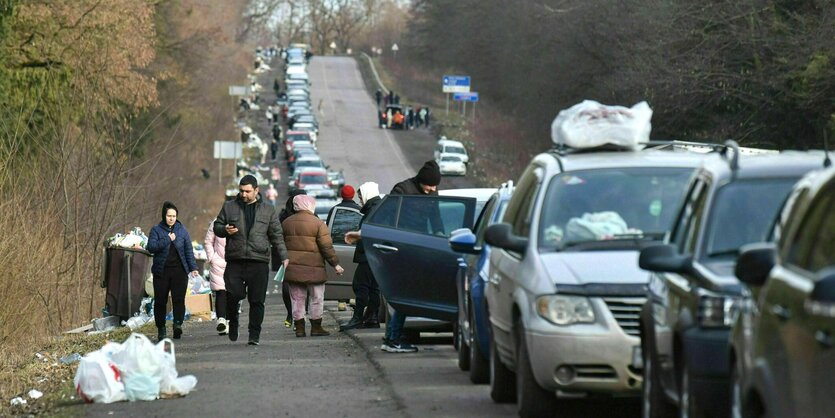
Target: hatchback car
[783,359]
[565,290]
[685,323]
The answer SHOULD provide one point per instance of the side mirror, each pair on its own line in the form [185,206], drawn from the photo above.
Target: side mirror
[501,235]
[664,258]
[463,241]
[824,290]
[755,262]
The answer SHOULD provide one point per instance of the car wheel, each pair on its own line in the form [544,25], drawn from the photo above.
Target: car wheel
[688,404]
[479,366]
[533,400]
[653,404]
[463,348]
[502,380]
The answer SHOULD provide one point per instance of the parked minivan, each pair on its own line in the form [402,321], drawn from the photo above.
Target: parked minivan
[448,146]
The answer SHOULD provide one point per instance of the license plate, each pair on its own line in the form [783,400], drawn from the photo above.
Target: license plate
[637,357]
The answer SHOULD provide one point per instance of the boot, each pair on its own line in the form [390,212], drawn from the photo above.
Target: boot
[356,319]
[299,328]
[178,330]
[161,333]
[316,329]
[233,330]
[369,320]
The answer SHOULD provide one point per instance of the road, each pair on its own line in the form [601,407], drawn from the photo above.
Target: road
[344,375]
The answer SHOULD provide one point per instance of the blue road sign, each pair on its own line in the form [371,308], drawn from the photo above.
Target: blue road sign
[456,83]
[466,97]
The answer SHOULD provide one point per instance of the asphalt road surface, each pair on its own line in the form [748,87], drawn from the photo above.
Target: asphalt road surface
[342,375]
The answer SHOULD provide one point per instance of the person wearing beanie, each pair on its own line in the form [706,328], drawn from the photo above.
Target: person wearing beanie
[347,195]
[366,289]
[250,228]
[424,183]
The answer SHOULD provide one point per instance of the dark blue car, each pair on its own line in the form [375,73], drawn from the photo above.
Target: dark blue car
[472,332]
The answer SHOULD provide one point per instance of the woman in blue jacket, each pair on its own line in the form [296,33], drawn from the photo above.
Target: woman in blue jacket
[170,244]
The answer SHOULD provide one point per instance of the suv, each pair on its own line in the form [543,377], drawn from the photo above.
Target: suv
[685,324]
[782,357]
[564,289]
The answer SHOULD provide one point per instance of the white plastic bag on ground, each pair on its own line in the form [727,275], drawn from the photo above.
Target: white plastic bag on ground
[140,366]
[590,124]
[98,380]
[171,384]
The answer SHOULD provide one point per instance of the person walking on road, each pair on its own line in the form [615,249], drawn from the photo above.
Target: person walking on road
[309,246]
[271,194]
[366,289]
[287,212]
[347,194]
[216,257]
[170,244]
[421,116]
[379,96]
[427,116]
[250,228]
[274,148]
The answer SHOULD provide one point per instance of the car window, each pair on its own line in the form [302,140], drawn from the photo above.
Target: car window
[685,214]
[694,223]
[808,250]
[610,204]
[386,213]
[431,216]
[519,210]
[344,220]
[742,213]
[484,218]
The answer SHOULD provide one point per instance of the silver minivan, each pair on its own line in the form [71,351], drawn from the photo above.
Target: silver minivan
[565,291]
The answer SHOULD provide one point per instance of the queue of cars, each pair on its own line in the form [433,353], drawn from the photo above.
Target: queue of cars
[609,273]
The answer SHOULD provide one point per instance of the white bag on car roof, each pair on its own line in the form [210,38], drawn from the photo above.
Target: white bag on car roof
[590,125]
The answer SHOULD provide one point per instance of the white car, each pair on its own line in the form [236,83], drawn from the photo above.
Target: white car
[448,146]
[452,164]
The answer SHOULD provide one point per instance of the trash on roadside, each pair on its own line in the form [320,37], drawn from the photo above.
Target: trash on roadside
[137,321]
[106,324]
[18,401]
[133,239]
[134,370]
[70,359]
[35,394]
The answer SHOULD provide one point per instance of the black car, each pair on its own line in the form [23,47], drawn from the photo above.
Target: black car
[732,200]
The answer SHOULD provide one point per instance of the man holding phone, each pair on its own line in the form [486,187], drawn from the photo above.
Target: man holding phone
[250,228]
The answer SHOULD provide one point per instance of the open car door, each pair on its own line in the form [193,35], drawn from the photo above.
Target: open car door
[343,220]
[405,240]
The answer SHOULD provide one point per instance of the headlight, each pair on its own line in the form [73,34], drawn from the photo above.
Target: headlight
[717,310]
[565,310]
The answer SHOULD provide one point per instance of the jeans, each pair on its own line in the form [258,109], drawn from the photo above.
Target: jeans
[394,328]
[366,289]
[247,279]
[174,281]
[299,292]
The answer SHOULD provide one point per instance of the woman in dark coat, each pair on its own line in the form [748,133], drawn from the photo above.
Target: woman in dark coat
[170,244]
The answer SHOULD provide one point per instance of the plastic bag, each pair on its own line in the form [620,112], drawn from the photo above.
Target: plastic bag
[590,124]
[138,356]
[595,226]
[141,387]
[279,275]
[98,380]
[170,383]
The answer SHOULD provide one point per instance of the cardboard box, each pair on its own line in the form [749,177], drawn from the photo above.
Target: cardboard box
[200,306]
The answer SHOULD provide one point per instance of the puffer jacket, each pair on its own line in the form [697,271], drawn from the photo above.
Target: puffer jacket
[309,245]
[250,245]
[216,254]
[159,243]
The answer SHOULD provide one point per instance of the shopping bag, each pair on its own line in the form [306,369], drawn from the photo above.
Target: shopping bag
[98,380]
[279,275]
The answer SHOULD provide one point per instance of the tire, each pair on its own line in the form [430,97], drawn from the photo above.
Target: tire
[653,403]
[502,380]
[533,400]
[479,366]
[688,404]
[463,349]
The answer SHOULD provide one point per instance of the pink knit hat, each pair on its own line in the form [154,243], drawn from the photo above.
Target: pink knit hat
[304,202]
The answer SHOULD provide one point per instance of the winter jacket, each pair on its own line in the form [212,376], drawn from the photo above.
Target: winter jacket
[216,255]
[250,245]
[410,186]
[159,243]
[359,252]
[309,245]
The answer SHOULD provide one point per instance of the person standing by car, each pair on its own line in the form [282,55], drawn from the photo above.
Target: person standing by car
[216,256]
[379,96]
[347,195]
[309,246]
[287,212]
[250,228]
[425,183]
[170,244]
[366,289]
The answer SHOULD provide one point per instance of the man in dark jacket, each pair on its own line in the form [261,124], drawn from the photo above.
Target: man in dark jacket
[366,289]
[347,194]
[250,227]
[425,183]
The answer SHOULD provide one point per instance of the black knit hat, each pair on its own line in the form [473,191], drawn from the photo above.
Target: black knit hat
[429,174]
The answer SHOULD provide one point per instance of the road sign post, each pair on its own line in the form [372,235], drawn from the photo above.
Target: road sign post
[226,150]
[454,84]
[463,98]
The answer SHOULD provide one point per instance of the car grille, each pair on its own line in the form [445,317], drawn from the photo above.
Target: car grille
[627,312]
[595,371]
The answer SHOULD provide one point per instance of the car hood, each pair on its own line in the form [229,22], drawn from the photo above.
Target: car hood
[580,268]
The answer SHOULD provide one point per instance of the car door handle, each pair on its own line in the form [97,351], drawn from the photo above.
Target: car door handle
[386,248]
[824,338]
[781,312]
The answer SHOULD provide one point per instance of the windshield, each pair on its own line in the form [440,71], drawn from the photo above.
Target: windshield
[743,212]
[313,179]
[454,150]
[309,163]
[610,205]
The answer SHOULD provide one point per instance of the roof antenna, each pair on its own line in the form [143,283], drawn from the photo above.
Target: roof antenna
[826,161]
